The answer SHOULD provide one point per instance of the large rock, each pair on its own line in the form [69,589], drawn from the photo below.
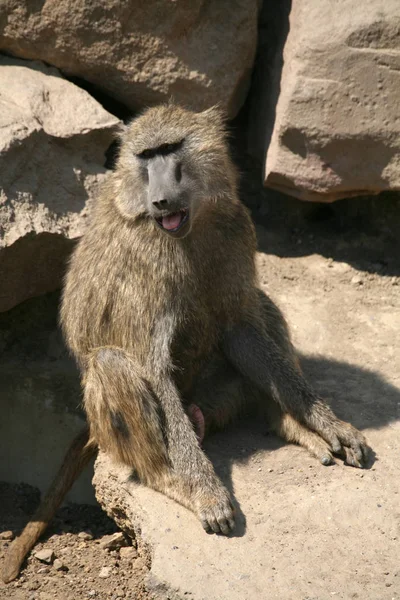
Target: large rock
[53,136]
[198,51]
[337,124]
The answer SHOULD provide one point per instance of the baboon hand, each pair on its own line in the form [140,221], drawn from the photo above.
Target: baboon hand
[346,441]
[215,511]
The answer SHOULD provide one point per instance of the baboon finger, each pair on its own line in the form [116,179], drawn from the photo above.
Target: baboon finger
[224,526]
[218,519]
[206,525]
[214,524]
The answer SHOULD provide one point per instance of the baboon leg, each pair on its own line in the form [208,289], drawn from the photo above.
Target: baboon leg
[292,431]
[222,393]
[253,346]
[148,429]
[123,414]
[79,454]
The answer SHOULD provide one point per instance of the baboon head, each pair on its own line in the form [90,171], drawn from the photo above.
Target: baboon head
[173,163]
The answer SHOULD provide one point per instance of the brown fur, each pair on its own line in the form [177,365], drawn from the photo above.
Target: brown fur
[157,323]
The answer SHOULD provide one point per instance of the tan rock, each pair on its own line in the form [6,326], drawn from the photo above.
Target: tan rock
[46,555]
[53,136]
[129,553]
[337,127]
[114,541]
[105,572]
[198,51]
[59,565]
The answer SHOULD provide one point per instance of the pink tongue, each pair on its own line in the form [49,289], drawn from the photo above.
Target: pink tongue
[172,221]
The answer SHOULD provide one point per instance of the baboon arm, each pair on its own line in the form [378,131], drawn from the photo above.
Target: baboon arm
[77,457]
[194,482]
[184,451]
[260,359]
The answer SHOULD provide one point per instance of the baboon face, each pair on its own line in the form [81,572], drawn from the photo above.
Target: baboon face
[171,196]
[173,163]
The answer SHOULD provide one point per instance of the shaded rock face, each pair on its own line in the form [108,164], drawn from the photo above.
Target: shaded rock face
[53,136]
[337,121]
[40,397]
[198,51]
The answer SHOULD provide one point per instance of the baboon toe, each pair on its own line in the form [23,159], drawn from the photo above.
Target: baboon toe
[355,459]
[321,450]
[354,447]
[327,459]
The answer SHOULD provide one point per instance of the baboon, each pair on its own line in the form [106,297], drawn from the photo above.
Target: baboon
[162,310]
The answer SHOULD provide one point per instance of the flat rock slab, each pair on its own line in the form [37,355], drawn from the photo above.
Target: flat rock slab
[301,527]
[304,531]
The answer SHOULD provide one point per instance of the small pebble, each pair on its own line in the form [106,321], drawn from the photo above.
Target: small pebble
[356,280]
[59,565]
[34,585]
[85,535]
[128,553]
[105,572]
[7,535]
[46,555]
[114,541]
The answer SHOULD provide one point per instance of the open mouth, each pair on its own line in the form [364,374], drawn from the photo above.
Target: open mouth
[174,221]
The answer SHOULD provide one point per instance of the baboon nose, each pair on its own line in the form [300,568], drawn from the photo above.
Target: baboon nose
[160,204]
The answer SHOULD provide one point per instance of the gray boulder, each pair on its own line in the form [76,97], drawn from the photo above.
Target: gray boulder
[336,129]
[198,51]
[53,136]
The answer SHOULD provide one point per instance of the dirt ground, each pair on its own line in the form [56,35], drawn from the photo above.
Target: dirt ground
[334,270]
[76,538]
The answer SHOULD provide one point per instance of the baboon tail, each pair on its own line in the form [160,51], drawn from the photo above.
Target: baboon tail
[77,457]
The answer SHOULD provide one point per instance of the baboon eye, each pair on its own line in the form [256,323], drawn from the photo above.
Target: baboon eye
[169,148]
[150,153]
[163,149]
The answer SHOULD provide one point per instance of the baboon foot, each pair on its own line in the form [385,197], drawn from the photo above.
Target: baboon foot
[347,442]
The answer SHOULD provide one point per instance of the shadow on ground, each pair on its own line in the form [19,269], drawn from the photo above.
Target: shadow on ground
[357,395]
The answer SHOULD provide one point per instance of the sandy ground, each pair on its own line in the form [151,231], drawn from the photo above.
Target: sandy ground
[329,532]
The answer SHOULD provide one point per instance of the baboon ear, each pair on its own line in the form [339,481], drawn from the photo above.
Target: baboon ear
[120,130]
[215,115]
